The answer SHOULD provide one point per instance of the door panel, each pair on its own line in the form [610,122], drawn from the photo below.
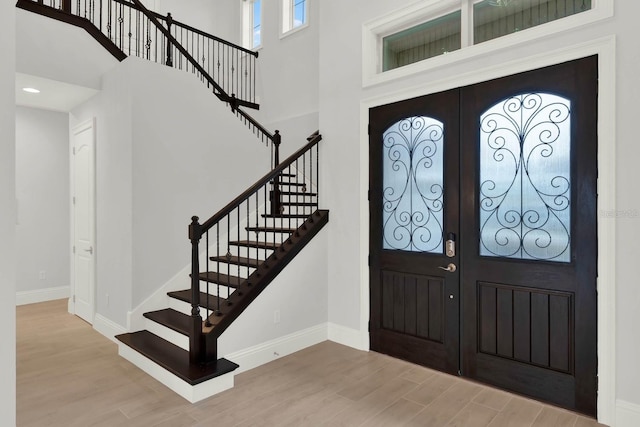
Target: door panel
[84,220]
[518,184]
[539,298]
[414,203]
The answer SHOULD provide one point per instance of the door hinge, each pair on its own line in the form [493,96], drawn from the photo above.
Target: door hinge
[74,151]
[74,200]
[74,298]
[74,249]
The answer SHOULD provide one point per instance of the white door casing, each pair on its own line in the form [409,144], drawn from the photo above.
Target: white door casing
[83,220]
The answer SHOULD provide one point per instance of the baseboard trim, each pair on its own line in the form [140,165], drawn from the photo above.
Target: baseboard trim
[350,337]
[260,354]
[107,327]
[627,414]
[42,295]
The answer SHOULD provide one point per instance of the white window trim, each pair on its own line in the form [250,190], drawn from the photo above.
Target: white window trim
[246,25]
[373,31]
[286,27]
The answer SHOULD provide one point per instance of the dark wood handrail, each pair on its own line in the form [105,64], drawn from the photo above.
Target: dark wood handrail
[218,39]
[188,27]
[222,94]
[259,184]
[255,124]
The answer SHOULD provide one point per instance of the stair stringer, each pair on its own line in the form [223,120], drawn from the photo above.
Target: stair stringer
[299,293]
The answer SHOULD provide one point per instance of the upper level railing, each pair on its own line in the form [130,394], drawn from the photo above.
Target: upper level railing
[131,27]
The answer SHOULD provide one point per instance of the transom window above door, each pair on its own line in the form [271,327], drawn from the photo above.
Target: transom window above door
[432,33]
[485,20]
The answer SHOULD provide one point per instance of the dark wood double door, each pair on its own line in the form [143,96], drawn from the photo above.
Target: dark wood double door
[483,246]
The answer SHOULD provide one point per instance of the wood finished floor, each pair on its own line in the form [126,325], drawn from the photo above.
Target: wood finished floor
[70,375]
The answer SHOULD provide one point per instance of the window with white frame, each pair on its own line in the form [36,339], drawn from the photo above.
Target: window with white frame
[483,20]
[294,14]
[252,24]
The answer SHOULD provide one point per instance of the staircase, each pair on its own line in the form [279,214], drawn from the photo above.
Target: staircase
[236,253]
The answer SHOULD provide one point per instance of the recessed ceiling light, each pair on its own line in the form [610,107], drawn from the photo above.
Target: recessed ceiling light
[30,90]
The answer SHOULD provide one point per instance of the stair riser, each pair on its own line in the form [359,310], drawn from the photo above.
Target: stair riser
[168,334]
[185,307]
[252,252]
[229,269]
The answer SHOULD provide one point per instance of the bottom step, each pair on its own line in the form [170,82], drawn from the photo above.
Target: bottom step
[170,365]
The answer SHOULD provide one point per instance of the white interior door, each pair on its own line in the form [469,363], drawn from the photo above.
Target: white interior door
[83,227]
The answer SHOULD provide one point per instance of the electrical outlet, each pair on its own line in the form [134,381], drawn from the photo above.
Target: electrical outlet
[276,316]
[43,275]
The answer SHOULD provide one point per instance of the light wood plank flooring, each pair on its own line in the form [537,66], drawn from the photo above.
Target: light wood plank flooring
[70,375]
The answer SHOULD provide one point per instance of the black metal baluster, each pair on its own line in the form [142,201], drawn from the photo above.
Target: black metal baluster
[109,20]
[207,322]
[247,229]
[130,34]
[217,313]
[257,221]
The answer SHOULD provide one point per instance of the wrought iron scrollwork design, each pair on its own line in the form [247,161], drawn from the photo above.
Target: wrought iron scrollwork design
[413,185]
[525,187]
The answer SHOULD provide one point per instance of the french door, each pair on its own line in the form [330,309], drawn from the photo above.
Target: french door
[483,232]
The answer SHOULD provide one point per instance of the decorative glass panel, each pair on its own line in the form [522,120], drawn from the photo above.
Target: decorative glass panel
[412,183]
[495,18]
[525,172]
[432,38]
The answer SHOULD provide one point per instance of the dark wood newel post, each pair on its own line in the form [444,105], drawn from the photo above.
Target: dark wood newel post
[276,202]
[195,334]
[66,5]
[169,61]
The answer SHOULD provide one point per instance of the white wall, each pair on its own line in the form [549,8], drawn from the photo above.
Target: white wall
[166,150]
[346,169]
[298,293]
[7,217]
[112,110]
[72,56]
[42,192]
[191,156]
[199,14]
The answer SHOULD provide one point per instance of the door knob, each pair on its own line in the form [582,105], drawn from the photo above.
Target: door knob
[90,250]
[450,268]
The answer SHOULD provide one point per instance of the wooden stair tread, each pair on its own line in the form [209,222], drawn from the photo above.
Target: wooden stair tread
[172,319]
[297,193]
[174,359]
[271,229]
[256,244]
[292,184]
[221,279]
[307,215]
[295,203]
[243,261]
[185,295]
